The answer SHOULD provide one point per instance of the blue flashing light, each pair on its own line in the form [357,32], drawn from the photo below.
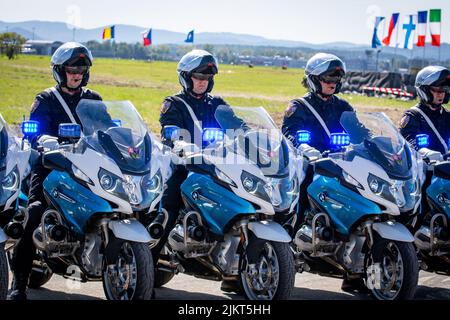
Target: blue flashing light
[339,139]
[117,122]
[30,127]
[171,132]
[69,130]
[212,134]
[303,136]
[422,140]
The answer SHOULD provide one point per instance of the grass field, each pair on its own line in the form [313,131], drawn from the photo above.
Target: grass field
[147,83]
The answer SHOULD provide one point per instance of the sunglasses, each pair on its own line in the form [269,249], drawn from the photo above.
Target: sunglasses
[76,70]
[440,89]
[202,76]
[330,79]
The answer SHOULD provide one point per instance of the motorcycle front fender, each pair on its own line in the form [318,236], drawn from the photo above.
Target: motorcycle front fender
[269,230]
[393,231]
[130,230]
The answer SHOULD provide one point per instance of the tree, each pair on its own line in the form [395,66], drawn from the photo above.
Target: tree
[11,44]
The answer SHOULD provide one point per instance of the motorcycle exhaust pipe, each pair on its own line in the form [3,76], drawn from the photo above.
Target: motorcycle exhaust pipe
[14,230]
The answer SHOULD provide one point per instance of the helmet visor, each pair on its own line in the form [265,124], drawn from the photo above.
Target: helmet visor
[76,69]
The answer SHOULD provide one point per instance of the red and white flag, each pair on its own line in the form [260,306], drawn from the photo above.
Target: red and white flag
[435,27]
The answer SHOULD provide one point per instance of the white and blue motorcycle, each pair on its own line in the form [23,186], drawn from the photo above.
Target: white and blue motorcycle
[102,178]
[362,187]
[245,175]
[432,227]
[14,166]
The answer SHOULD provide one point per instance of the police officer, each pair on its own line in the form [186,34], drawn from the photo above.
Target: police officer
[319,112]
[429,116]
[323,75]
[70,64]
[191,110]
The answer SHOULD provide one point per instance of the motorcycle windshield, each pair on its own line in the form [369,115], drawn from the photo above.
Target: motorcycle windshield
[373,136]
[255,136]
[116,129]
[3,141]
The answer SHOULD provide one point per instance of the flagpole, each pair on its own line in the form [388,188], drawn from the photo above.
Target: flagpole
[440,39]
[396,42]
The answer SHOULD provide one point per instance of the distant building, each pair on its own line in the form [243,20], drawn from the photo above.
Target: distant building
[40,47]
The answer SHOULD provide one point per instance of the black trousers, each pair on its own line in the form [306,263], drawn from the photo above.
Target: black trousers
[25,251]
[172,202]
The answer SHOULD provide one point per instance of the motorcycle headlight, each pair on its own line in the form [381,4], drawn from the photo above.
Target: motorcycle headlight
[112,184]
[380,187]
[395,192]
[154,184]
[11,182]
[10,185]
[254,185]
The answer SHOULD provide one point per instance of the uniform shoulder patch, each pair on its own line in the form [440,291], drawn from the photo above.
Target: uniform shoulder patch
[292,107]
[165,106]
[404,121]
[35,105]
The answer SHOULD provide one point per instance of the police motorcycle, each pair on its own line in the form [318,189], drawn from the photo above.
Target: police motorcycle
[366,181]
[243,177]
[102,179]
[432,227]
[14,165]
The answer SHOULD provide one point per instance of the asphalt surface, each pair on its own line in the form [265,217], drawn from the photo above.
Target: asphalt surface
[184,287]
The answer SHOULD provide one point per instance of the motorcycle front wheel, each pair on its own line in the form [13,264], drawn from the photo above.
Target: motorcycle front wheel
[392,270]
[129,272]
[267,270]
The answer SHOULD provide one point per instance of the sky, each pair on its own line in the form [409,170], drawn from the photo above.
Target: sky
[314,21]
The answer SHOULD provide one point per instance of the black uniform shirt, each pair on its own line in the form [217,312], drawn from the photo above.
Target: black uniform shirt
[412,124]
[50,113]
[174,112]
[299,117]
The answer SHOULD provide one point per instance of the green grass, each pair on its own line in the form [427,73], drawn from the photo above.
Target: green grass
[146,84]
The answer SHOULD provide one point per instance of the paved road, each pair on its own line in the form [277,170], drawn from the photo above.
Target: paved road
[307,287]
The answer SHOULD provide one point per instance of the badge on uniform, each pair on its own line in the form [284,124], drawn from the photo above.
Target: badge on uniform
[165,106]
[404,121]
[290,110]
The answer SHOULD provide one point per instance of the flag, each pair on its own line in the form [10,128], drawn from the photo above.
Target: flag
[421,28]
[190,37]
[435,27]
[109,33]
[147,37]
[409,27]
[375,40]
[392,25]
